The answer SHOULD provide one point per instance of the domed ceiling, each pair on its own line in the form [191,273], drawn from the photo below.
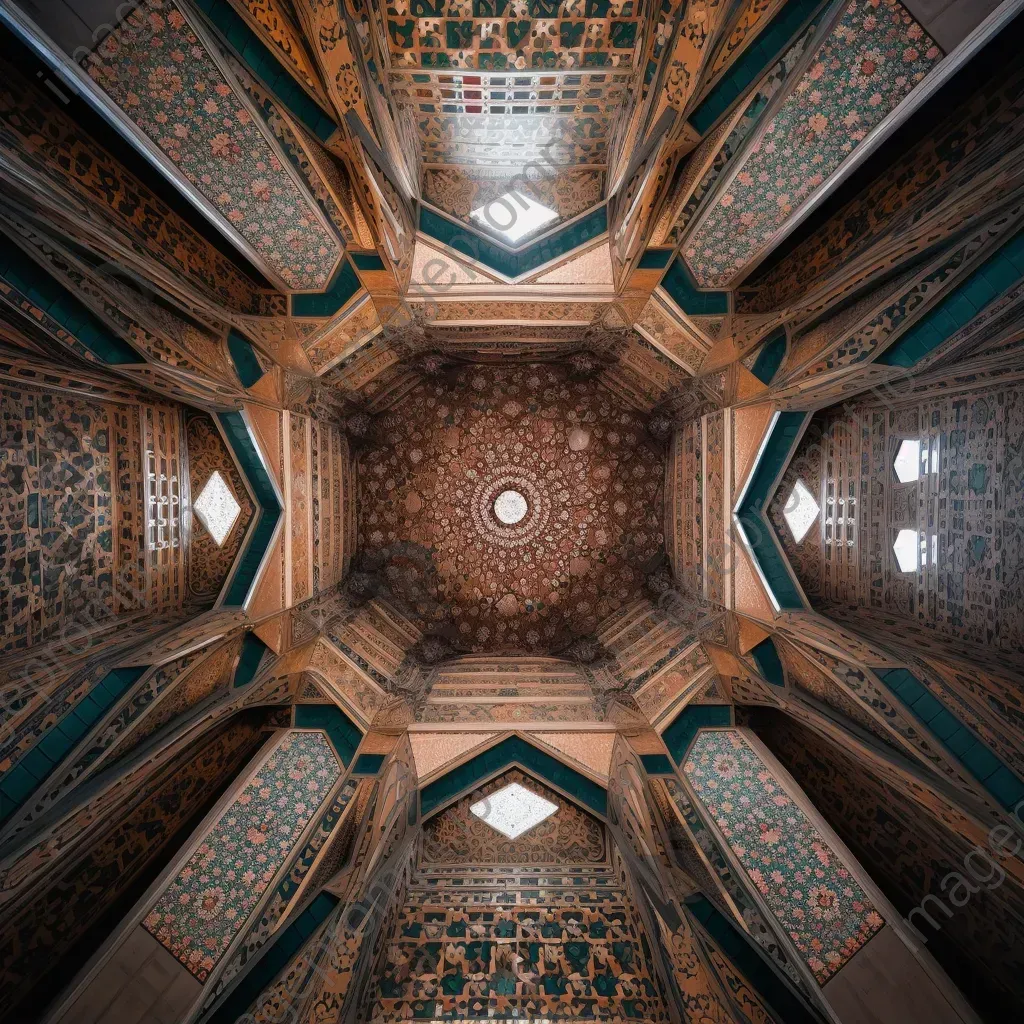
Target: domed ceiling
[580,489]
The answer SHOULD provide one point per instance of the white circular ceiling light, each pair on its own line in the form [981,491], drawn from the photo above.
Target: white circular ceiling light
[510,507]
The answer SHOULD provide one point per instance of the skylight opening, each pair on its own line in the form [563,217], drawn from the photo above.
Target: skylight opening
[514,810]
[510,507]
[513,216]
[908,462]
[216,508]
[800,511]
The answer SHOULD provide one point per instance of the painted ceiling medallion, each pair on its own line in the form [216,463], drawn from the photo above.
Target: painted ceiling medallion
[514,810]
[514,575]
[510,507]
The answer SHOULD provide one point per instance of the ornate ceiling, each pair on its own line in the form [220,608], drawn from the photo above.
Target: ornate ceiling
[579,549]
[498,509]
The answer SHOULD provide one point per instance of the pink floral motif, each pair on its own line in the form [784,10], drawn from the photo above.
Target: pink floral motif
[812,894]
[215,892]
[170,79]
[874,57]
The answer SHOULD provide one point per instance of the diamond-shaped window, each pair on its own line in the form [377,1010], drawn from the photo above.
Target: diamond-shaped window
[513,216]
[216,508]
[800,511]
[907,551]
[514,810]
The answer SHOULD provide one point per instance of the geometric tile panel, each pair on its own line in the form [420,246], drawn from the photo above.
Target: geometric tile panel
[199,913]
[875,56]
[810,891]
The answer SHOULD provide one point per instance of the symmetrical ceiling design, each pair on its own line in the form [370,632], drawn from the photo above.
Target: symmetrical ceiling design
[592,483]
[510,83]
[296,448]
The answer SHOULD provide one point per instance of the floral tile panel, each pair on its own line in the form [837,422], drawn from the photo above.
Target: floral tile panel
[159,73]
[807,887]
[874,57]
[204,907]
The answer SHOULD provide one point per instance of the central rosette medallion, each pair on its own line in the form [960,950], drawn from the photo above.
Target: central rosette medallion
[529,503]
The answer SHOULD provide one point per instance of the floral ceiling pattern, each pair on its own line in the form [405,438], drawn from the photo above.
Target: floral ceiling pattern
[161,75]
[592,481]
[874,57]
[805,884]
[210,899]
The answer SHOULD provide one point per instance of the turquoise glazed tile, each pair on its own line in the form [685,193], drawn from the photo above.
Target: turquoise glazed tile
[207,903]
[801,878]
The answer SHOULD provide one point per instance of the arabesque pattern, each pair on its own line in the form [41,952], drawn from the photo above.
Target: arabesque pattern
[802,879]
[212,896]
[160,73]
[874,57]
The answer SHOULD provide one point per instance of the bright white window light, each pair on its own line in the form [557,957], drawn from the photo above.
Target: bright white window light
[513,810]
[513,216]
[217,508]
[907,550]
[800,511]
[510,507]
[908,462]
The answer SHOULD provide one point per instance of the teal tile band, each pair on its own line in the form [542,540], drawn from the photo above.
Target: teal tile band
[472,243]
[343,733]
[680,734]
[244,447]
[513,750]
[751,515]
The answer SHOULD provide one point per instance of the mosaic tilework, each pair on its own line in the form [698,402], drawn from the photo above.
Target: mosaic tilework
[811,892]
[592,482]
[498,35]
[562,947]
[972,140]
[65,462]
[871,61]
[909,837]
[129,824]
[513,119]
[204,907]
[73,165]
[158,71]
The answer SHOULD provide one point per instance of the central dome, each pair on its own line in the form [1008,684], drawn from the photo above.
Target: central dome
[514,505]
[510,507]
